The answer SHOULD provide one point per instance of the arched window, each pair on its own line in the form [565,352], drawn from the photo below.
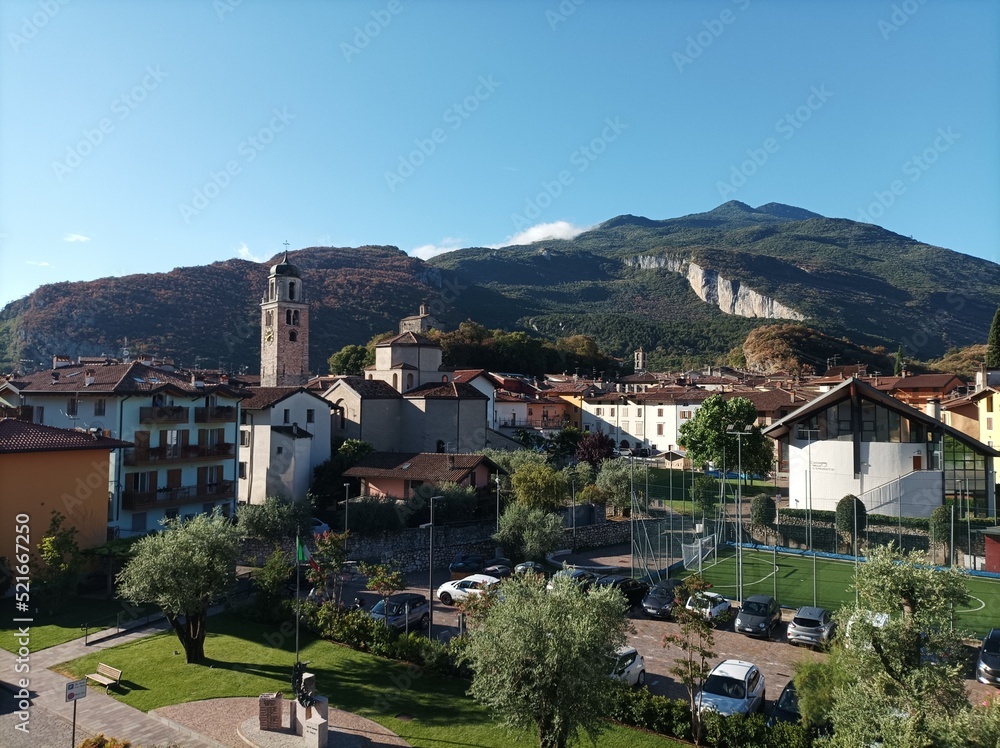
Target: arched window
[288,316]
[409,381]
[440,445]
[295,317]
[291,291]
[271,291]
[293,336]
[370,377]
[395,381]
[269,318]
[341,412]
[444,378]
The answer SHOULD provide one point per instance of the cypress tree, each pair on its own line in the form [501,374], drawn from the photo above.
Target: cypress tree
[897,370]
[993,343]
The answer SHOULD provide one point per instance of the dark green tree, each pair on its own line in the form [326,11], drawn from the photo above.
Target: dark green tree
[594,448]
[762,511]
[851,519]
[710,436]
[351,359]
[993,343]
[564,442]
[527,534]
[897,369]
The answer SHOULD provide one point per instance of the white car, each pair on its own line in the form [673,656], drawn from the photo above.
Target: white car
[318,526]
[459,589]
[733,687]
[711,605]
[629,667]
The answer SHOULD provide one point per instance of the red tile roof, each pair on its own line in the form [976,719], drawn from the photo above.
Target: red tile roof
[21,436]
[446,391]
[266,397]
[423,466]
[113,378]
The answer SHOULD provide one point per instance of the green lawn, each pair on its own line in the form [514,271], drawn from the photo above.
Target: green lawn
[243,662]
[66,625]
[664,483]
[792,583]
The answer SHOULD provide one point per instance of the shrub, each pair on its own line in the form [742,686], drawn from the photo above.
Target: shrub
[100,741]
[640,708]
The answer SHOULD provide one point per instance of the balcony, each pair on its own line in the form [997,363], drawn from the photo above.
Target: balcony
[223,413]
[534,422]
[173,454]
[172,498]
[164,414]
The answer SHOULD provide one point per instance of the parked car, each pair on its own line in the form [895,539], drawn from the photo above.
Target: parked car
[711,605]
[633,589]
[988,664]
[579,576]
[529,567]
[404,610]
[467,563]
[498,567]
[811,626]
[733,687]
[758,616]
[459,589]
[786,708]
[629,667]
[660,600]
[318,526]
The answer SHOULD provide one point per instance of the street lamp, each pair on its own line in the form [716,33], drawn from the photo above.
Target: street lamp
[809,436]
[740,433]
[347,499]
[430,574]
[498,501]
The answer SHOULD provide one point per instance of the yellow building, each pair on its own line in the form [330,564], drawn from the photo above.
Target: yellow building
[44,469]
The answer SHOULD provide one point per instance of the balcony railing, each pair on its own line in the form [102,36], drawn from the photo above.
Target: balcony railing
[178,453]
[534,422]
[171,498]
[216,413]
[164,414]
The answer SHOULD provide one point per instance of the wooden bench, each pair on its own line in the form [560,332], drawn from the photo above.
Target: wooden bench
[107,676]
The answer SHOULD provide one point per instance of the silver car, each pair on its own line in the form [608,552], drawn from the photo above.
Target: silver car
[811,626]
[733,687]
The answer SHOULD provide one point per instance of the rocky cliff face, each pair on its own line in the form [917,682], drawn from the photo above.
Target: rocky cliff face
[729,295]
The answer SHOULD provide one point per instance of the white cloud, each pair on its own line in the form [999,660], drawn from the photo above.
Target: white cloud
[76,238]
[427,251]
[542,231]
[39,264]
[243,251]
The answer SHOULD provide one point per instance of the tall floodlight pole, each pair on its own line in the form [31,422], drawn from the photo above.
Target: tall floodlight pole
[574,513]
[347,501]
[809,533]
[498,501]
[740,433]
[631,514]
[430,574]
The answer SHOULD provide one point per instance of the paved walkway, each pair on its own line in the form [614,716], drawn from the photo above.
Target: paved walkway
[97,712]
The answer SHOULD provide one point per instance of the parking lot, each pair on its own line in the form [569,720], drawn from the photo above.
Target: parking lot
[775,657]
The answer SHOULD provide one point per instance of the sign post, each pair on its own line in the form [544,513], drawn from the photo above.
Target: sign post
[75,690]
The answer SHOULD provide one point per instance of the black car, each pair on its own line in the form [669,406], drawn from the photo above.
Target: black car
[988,665]
[633,590]
[529,567]
[498,567]
[758,616]
[578,576]
[660,600]
[786,708]
[467,563]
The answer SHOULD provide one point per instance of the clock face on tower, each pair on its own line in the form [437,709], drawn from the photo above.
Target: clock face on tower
[268,335]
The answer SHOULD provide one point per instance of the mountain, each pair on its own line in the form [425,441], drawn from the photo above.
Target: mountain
[687,289]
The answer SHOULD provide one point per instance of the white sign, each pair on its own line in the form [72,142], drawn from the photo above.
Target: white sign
[76,690]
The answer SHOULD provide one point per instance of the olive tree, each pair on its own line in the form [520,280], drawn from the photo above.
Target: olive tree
[529,534]
[541,660]
[182,570]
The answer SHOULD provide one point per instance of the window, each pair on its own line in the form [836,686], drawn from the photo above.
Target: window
[989,403]
[600,411]
[40,414]
[99,406]
[172,514]
[268,318]
[659,412]
[659,429]
[170,442]
[612,412]
[624,425]
[295,318]
[287,417]
[279,450]
[138,522]
[291,291]
[244,418]
[685,415]
[310,415]
[244,437]
[208,507]
[989,423]
[409,381]
[143,482]
[293,336]
[243,471]
[288,316]
[72,405]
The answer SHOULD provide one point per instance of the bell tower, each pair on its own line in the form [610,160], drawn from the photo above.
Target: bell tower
[284,328]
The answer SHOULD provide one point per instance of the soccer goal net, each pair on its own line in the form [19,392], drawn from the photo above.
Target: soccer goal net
[694,553]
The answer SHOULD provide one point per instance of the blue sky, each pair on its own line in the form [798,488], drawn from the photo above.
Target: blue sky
[142,136]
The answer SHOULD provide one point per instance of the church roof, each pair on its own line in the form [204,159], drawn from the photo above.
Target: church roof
[408,338]
[266,397]
[368,389]
[285,268]
[446,391]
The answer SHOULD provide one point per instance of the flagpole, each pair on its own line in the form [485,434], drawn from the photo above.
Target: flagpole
[298,599]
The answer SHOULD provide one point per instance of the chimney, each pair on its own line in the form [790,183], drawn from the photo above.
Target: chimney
[55,377]
[223,379]
[933,408]
[60,361]
[88,377]
[451,462]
